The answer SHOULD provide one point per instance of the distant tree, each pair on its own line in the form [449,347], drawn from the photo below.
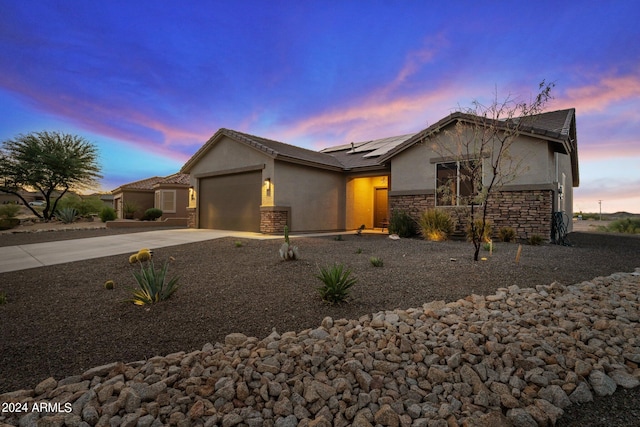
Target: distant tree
[50,163]
[480,147]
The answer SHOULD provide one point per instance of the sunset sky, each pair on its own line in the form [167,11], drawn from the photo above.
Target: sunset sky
[150,81]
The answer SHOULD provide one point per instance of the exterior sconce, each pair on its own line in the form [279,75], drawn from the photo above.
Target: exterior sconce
[267,184]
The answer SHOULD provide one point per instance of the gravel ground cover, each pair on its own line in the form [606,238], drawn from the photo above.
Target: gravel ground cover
[60,321]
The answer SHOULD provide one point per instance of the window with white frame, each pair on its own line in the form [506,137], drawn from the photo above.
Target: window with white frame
[454,185]
[166,200]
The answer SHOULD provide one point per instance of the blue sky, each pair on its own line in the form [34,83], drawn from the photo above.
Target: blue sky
[150,81]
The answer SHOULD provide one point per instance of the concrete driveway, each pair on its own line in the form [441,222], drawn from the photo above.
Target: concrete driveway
[21,257]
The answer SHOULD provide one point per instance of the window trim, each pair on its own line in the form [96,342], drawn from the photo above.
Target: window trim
[160,200]
[457,196]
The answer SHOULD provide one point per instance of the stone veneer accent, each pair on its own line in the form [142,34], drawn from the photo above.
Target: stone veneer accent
[273,219]
[528,212]
[191,217]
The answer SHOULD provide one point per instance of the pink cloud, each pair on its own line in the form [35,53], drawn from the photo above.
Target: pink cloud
[599,96]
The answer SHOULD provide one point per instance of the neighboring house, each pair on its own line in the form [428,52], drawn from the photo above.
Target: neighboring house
[169,194]
[245,182]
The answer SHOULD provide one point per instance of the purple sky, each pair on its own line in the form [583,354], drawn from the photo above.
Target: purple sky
[150,81]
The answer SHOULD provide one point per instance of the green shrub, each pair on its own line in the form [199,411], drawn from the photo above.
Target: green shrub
[67,215]
[337,283]
[3,298]
[84,205]
[486,235]
[107,214]
[152,284]
[376,262]
[435,224]
[507,234]
[627,225]
[535,240]
[402,224]
[9,210]
[359,250]
[338,238]
[152,214]
[238,244]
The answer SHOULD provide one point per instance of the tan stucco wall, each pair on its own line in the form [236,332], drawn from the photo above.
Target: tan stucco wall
[316,196]
[143,200]
[182,201]
[227,154]
[414,169]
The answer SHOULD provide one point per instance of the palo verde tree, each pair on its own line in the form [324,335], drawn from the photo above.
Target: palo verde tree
[50,163]
[479,146]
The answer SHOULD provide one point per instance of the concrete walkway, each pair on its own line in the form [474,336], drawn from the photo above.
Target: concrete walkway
[21,257]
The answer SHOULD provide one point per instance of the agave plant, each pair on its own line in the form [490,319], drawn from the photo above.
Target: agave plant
[67,215]
[153,284]
[337,283]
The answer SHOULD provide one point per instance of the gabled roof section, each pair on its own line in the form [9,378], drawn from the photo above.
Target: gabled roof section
[275,149]
[143,184]
[557,127]
[176,179]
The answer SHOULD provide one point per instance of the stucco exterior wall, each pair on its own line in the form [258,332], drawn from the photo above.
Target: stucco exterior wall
[182,200]
[227,154]
[316,197]
[415,168]
[143,200]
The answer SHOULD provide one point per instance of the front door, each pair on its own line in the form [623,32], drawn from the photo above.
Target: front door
[381,207]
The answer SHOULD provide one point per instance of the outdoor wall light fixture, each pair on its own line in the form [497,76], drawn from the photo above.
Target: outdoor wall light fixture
[267,183]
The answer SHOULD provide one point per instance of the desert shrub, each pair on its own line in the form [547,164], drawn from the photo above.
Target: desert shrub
[152,284]
[338,238]
[435,224]
[477,225]
[152,214]
[627,225]
[402,224]
[336,283]
[3,298]
[129,209]
[535,240]
[288,252]
[507,234]
[9,210]
[84,205]
[67,215]
[238,244]
[107,214]
[376,262]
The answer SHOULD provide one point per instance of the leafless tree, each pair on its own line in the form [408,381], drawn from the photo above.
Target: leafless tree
[480,146]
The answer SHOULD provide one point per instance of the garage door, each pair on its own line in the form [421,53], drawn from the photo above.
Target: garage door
[231,202]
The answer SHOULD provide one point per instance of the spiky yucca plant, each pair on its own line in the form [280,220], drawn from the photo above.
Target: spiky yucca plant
[337,283]
[376,262]
[288,252]
[67,215]
[153,284]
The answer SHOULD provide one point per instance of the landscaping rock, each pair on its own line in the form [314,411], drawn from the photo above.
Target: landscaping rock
[516,358]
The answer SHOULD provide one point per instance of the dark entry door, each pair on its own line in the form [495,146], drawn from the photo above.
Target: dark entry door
[381,207]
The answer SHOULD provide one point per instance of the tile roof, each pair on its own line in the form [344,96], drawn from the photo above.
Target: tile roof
[557,125]
[176,178]
[143,184]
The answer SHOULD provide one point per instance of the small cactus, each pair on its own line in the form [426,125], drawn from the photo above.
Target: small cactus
[109,284]
[288,252]
[143,255]
[133,259]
